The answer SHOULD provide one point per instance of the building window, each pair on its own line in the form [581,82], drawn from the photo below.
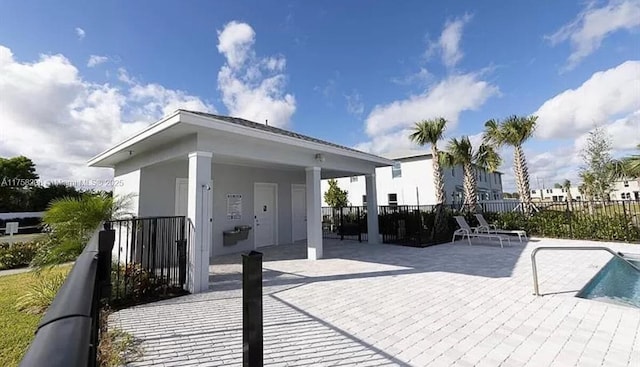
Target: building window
[393,199]
[625,195]
[353,179]
[533,192]
[396,170]
[364,200]
[549,191]
[626,184]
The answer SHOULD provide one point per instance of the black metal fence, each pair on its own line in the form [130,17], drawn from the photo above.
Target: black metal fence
[150,258]
[68,334]
[345,223]
[616,220]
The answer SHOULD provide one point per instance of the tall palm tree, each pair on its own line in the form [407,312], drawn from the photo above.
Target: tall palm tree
[431,132]
[514,131]
[566,185]
[461,152]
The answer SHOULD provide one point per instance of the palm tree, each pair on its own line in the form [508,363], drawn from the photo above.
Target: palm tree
[628,167]
[588,189]
[566,185]
[514,131]
[461,152]
[72,220]
[431,132]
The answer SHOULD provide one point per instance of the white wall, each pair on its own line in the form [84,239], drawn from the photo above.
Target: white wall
[158,190]
[128,185]
[630,188]
[229,179]
[416,173]
[13,215]
[158,183]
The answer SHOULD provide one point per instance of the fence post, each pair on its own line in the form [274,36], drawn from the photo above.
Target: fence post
[341,225]
[570,218]
[102,288]
[359,224]
[252,354]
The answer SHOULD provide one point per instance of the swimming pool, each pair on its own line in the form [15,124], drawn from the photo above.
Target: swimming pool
[616,282]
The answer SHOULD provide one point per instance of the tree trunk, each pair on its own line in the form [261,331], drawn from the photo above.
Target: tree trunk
[522,178]
[470,189]
[437,176]
[440,223]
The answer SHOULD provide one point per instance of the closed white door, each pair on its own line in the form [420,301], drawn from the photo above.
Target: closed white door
[298,212]
[264,207]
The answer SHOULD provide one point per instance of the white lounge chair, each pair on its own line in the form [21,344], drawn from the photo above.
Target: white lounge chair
[467,231]
[490,228]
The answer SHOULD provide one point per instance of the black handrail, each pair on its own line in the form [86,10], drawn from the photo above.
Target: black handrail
[68,333]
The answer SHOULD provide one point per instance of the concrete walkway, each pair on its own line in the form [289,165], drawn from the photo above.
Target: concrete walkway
[14,271]
[383,305]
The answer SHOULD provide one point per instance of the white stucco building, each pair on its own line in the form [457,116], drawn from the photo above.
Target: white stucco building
[221,172]
[628,189]
[409,181]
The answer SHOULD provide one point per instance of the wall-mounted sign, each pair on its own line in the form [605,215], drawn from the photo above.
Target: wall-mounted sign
[234,206]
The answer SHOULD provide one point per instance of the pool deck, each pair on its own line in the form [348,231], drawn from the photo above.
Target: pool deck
[385,305]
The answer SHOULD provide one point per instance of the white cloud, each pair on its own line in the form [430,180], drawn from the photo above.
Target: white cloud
[52,115]
[420,77]
[252,88]
[587,31]
[448,45]
[606,95]
[95,60]
[385,143]
[448,98]
[235,42]
[80,33]
[355,106]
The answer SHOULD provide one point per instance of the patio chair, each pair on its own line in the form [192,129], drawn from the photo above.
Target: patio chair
[491,228]
[467,231]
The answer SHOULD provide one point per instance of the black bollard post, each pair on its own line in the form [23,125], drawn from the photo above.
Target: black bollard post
[252,354]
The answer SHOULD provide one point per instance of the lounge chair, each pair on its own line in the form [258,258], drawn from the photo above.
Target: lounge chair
[490,228]
[467,231]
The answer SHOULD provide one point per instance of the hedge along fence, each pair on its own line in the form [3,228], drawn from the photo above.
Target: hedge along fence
[571,224]
[17,255]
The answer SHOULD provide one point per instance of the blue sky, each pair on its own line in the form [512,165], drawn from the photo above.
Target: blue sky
[353,72]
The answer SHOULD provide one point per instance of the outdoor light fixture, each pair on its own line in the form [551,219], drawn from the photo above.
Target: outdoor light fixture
[319,158]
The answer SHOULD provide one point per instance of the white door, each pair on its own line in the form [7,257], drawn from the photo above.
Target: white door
[298,212]
[264,208]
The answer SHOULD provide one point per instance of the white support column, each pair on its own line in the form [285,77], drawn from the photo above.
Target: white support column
[373,235]
[199,208]
[314,214]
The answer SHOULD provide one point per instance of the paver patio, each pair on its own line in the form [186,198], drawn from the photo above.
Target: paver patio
[384,305]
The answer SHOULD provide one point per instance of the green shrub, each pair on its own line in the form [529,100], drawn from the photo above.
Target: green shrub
[18,254]
[53,251]
[39,295]
[134,282]
[572,225]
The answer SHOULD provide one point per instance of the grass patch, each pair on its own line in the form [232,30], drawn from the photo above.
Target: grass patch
[17,328]
[117,347]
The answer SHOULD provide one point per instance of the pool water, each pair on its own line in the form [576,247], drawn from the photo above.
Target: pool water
[616,282]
